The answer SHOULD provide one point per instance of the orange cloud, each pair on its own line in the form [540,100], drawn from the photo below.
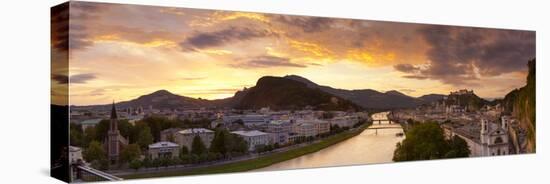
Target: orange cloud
[315,50]
[221,16]
[371,58]
[218,52]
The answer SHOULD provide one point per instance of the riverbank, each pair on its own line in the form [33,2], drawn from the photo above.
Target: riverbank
[256,163]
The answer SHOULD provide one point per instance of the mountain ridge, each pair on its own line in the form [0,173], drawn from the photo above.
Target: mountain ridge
[369,98]
[364,98]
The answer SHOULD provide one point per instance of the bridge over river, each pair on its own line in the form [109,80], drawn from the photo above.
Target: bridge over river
[374,145]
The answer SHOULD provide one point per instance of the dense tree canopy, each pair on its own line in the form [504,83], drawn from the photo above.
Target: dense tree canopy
[197,146]
[94,152]
[225,143]
[130,152]
[145,138]
[426,141]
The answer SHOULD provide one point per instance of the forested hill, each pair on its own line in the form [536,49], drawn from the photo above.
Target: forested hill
[283,93]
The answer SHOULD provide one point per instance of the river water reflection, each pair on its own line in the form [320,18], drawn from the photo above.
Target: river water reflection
[371,146]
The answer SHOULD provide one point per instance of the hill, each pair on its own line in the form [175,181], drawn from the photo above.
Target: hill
[432,97]
[284,93]
[469,100]
[163,99]
[371,99]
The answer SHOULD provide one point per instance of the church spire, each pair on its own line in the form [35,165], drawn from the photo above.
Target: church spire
[113,111]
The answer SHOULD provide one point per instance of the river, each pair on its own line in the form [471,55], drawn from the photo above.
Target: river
[371,146]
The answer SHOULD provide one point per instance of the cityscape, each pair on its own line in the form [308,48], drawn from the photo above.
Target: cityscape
[157,91]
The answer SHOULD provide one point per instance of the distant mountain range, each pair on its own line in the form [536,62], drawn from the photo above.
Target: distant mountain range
[288,92]
[372,99]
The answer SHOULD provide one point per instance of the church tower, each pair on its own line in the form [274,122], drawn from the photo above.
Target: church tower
[484,131]
[112,139]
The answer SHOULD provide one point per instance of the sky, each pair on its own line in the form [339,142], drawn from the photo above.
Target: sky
[120,52]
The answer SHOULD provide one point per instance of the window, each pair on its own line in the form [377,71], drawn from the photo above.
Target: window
[498,140]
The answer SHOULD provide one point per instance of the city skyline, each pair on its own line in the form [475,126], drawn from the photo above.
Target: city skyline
[119,52]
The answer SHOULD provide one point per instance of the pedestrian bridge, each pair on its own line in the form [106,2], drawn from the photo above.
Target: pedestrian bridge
[83,173]
[384,127]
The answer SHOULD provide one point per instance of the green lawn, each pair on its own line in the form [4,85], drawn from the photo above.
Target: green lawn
[256,163]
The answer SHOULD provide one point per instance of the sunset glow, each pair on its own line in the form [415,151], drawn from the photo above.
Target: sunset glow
[120,52]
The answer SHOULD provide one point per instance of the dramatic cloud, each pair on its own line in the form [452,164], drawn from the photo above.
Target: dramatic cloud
[218,38]
[307,24]
[82,78]
[461,55]
[407,68]
[60,27]
[120,49]
[60,79]
[266,62]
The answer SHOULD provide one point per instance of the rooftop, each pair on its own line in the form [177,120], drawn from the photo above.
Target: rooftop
[163,144]
[90,121]
[195,130]
[279,122]
[74,149]
[251,133]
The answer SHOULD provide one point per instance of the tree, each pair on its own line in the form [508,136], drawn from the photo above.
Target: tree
[239,144]
[101,130]
[327,115]
[218,144]
[185,159]
[157,124]
[89,136]
[145,138]
[156,163]
[135,164]
[147,162]
[183,152]
[426,141]
[102,164]
[75,134]
[165,161]
[130,152]
[458,148]
[198,147]
[94,152]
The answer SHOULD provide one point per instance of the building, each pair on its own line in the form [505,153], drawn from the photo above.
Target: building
[279,130]
[169,134]
[254,138]
[185,137]
[75,154]
[463,92]
[163,149]
[319,126]
[89,123]
[485,138]
[494,137]
[455,109]
[344,121]
[216,123]
[249,120]
[114,142]
[132,119]
[304,129]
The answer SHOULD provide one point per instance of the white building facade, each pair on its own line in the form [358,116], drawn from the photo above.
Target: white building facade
[254,138]
[185,137]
